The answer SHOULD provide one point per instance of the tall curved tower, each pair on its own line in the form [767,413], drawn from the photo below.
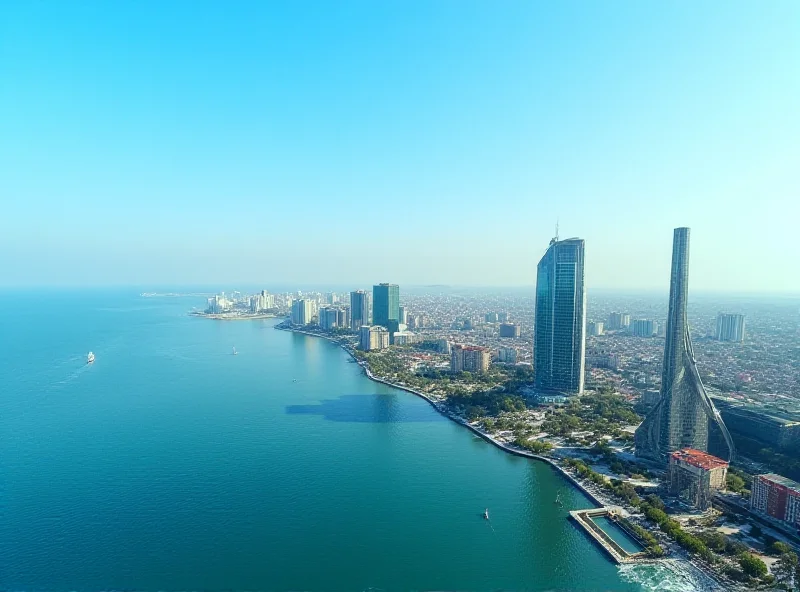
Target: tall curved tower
[684,412]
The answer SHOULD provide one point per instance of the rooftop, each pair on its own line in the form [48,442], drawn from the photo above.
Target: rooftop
[698,458]
[780,480]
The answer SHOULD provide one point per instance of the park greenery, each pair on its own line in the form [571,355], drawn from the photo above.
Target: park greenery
[601,413]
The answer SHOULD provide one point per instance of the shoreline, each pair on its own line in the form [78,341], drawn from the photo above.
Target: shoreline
[481,434]
[694,571]
[226,317]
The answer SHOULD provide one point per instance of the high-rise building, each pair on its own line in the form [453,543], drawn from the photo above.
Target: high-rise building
[373,338]
[386,307]
[509,330]
[491,317]
[343,316]
[560,328]
[403,315]
[507,355]
[682,415]
[694,475]
[302,311]
[644,328]
[328,318]
[359,309]
[777,497]
[469,358]
[502,317]
[619,320]
[595,328]
[730,327]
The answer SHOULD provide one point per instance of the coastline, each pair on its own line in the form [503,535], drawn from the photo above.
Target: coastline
[700,576]
[480,433]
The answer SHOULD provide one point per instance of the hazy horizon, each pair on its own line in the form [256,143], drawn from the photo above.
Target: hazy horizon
[419,143]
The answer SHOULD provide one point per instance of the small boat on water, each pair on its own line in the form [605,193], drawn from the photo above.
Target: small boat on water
[558,500]
[486,514]
[234,351]
[90,358]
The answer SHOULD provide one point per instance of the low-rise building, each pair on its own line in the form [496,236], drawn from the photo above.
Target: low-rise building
[694,475]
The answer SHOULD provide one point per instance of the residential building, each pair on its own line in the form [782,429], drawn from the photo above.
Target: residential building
[302,311]
[507,355]
[343,317]
[682,415]
[560,323]
[509,330]
[619,320]
[469,358]
[373,338]
[644,328]
[595,328]
[502,317]
[328,318]
[404,338]
[443,346]
[602,360]
[730,327]
[777,497]
[694,475]
[403,315]
[386,307]
[491,317]
[359,309]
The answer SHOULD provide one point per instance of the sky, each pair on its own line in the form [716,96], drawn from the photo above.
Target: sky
[437,142]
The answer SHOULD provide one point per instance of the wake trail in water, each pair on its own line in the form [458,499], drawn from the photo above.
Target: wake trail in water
[668,576]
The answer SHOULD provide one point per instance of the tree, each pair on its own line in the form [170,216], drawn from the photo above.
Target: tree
[785,569]
[735,483]
[778,548]
[656,502]
[752,565]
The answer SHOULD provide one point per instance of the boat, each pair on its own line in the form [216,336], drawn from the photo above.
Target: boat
[558,500]
[90,358]
[486,514]
[234,351]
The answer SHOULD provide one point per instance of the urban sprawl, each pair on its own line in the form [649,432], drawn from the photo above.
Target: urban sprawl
[688,440]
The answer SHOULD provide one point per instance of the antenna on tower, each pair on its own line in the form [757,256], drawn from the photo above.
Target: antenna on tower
[556,229]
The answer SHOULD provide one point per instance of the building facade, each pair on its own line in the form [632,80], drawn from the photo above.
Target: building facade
[644,328]
[776,497]
[373,338]
[507,355]
[469,358]
[730,327]
[302,311]
[694,475]
[682,415]
[560,324]
[509,330]
[359,309]
[596,328]
[386,307]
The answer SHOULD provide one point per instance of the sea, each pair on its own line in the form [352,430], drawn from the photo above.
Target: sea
[171,464]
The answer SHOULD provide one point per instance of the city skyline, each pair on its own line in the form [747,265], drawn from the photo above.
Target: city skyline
[175,147]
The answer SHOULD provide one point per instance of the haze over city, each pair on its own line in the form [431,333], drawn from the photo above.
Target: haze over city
[201,143]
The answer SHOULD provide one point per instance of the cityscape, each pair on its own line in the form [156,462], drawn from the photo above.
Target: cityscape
[680,420]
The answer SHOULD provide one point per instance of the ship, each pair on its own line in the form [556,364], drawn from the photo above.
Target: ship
[234,351]
[90,358]
[486,514]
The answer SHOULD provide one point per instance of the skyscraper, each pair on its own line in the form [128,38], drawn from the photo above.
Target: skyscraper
[386,307]
[560,328]
[730,327]
[682,416]
[359,309]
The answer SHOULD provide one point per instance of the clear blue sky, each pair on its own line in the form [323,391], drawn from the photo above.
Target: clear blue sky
[153,143]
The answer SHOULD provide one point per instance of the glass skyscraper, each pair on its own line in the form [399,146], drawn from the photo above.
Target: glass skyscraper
[386,307]
[684,411]
[560,324]
[359,309]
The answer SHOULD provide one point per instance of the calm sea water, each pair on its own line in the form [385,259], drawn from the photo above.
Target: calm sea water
[171,464]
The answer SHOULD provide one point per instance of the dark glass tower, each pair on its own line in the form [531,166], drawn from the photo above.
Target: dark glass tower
[359,309]
[386,307]
[684,411]
[560,327]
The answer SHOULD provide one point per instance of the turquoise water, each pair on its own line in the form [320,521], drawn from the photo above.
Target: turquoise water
[170,464]
[621,537]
